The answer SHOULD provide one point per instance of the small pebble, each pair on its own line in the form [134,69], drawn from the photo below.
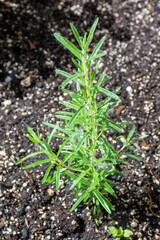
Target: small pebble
[2,153]
[44,215]
[10,164]
[25,233]
[139,234]
[134,224]
[53,110]
[25,184]
[7,103]
[1,194]
[21,211]
[129,90]
[73,222]
[50,192]
[139,183]
[52,218]
[157,237]
[9,40]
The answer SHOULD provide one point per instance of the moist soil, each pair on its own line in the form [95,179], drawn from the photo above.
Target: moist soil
[30,92]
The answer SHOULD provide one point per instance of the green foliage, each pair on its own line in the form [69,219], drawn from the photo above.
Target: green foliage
[118,233]
[86,156]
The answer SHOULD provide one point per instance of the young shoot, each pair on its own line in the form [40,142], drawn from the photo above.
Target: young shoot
[86,157]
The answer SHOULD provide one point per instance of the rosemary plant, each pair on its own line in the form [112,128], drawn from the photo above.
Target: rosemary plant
[86,156]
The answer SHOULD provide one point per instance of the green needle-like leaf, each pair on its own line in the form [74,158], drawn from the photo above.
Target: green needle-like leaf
[58,177]
[98,47]
[47,146]
[84,39]
[138,138]
[34,140]
[79,200]
[108,93]
[98,56]
[51,135]
[100,80]
[79,179]
[104,202]
[101,160]
[73,95]
[52,178]
[65,113]
[70,105]
[77,65]
[90,36]
[133,156]
[74,176]
[74,30]
[74,116]
[131,133]
[71,78]
[62,146]
[33,134]
[29,156]
[47,173]
[59,136]
[63,73]
[95,71]
[109,189]
[73,49]
[38,163]
[81,141]
[115,126]
[63,117]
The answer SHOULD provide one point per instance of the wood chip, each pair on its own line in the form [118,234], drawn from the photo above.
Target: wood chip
[26,82]
[150,7]
[55,7]
[31,45]
[2,223]
[104,237]
[6,3]
[138,80]
[145,146]
[40,210]
[119,110]
[20,35]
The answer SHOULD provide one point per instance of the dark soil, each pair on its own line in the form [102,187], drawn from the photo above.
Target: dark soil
[30,93]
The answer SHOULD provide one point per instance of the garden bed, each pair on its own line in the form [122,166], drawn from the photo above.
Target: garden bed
[30,93]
